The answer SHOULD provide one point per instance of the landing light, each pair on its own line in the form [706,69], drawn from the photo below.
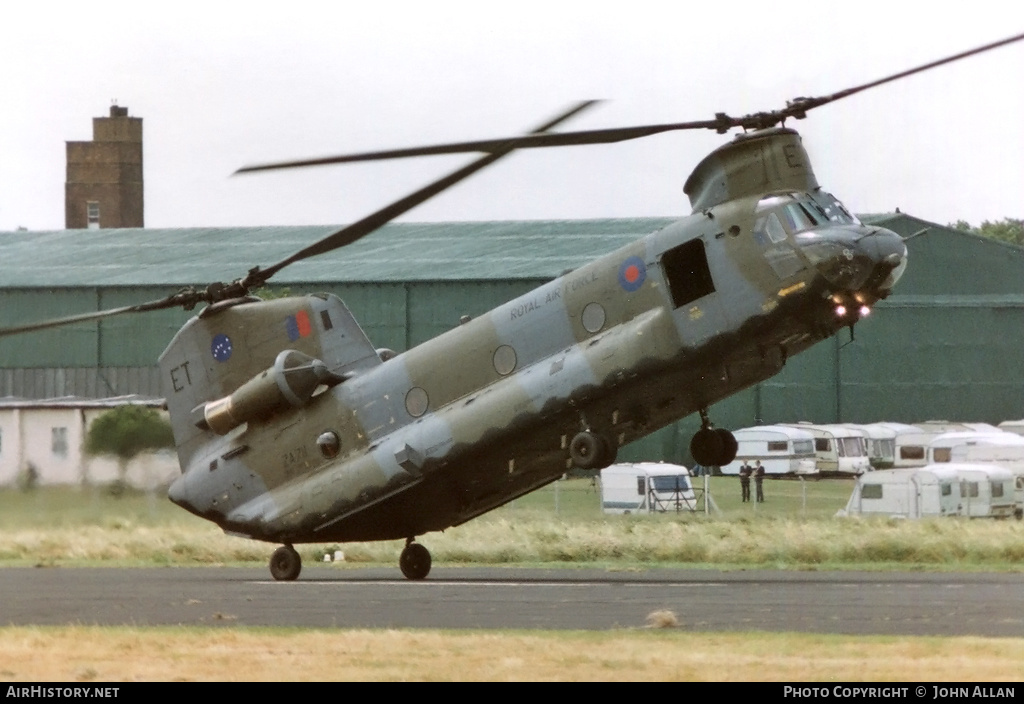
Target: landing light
[842,311]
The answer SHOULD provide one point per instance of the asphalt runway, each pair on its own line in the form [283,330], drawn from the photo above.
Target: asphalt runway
[985,604]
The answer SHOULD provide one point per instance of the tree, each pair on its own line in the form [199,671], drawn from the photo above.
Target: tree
[126,431]
[1006,230]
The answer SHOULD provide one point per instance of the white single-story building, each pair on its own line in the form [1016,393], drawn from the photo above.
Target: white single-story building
[42,441]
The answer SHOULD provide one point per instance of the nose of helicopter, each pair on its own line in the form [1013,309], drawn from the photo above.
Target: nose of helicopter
[888,251]
[857,258]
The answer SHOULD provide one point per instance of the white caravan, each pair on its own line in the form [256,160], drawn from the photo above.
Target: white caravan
[906,493]
[955,489]
[952,447]
[911,444]
[986,490]
[994,450]
[879,443]
[838,449]
[646,487]
[781,449]
[1012,426]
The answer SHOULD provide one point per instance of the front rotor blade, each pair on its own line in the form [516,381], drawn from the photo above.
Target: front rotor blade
[796,108]
[531,141]
[800,105]
[355,231]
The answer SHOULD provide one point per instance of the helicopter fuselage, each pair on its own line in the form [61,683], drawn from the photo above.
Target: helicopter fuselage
[484,413]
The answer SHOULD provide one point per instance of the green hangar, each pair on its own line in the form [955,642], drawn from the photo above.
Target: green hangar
[949,343]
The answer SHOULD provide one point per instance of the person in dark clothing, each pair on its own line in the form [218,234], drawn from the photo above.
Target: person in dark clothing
[759,481]
[745,471]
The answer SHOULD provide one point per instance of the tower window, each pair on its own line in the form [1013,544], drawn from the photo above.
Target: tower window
[92,214]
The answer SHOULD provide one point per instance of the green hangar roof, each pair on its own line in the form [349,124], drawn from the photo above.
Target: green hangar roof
[397,252]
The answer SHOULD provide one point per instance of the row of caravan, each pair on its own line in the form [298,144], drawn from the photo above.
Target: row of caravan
[850,449]
[953,489]
[801,449]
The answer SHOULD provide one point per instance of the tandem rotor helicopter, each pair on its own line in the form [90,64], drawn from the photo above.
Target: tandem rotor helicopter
[291,427]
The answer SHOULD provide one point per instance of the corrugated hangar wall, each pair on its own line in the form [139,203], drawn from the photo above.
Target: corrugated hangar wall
[948,344]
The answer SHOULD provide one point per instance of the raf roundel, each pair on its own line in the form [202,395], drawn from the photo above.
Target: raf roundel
[632,274]
[220,348]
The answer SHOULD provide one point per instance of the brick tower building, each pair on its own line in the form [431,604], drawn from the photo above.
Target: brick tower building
[104,178]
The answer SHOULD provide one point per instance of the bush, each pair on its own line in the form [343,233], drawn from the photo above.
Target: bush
[126,431]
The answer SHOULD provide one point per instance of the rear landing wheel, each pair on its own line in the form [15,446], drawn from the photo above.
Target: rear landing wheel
[414,561]
[285,564]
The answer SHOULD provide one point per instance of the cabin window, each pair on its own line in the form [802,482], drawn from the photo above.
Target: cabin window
[686,268]
[851,447]
[329,444]
[641,486]
[871,491]
[997,490]
[803,447]
[778,446]
[969,489]
[822,445]
[59,442]
[912,452]
[942,454]
[416,402]
[504,360]
[947,489]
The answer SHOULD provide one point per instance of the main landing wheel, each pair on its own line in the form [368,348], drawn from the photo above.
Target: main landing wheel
[285,564]
[414,561]
[588,450]
[713,447]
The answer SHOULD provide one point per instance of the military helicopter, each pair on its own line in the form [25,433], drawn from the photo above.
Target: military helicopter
[291,427]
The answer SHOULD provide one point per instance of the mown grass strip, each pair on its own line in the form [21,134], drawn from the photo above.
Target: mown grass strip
[87,654]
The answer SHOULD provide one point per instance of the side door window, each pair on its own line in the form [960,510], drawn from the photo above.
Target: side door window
[686,268]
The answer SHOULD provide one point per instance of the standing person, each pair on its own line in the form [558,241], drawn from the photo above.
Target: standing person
[759,481]
[745,471]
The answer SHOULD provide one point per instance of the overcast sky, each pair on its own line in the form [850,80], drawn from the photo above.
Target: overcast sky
[221,84]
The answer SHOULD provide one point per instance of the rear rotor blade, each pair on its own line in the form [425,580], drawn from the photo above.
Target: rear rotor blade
[186,298]
[355,231]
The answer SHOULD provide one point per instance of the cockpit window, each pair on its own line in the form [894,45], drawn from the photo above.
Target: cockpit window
[770,227]
[797,218]
[833,209]
[796,212]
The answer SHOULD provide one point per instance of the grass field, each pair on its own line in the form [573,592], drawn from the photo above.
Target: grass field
[561,524]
